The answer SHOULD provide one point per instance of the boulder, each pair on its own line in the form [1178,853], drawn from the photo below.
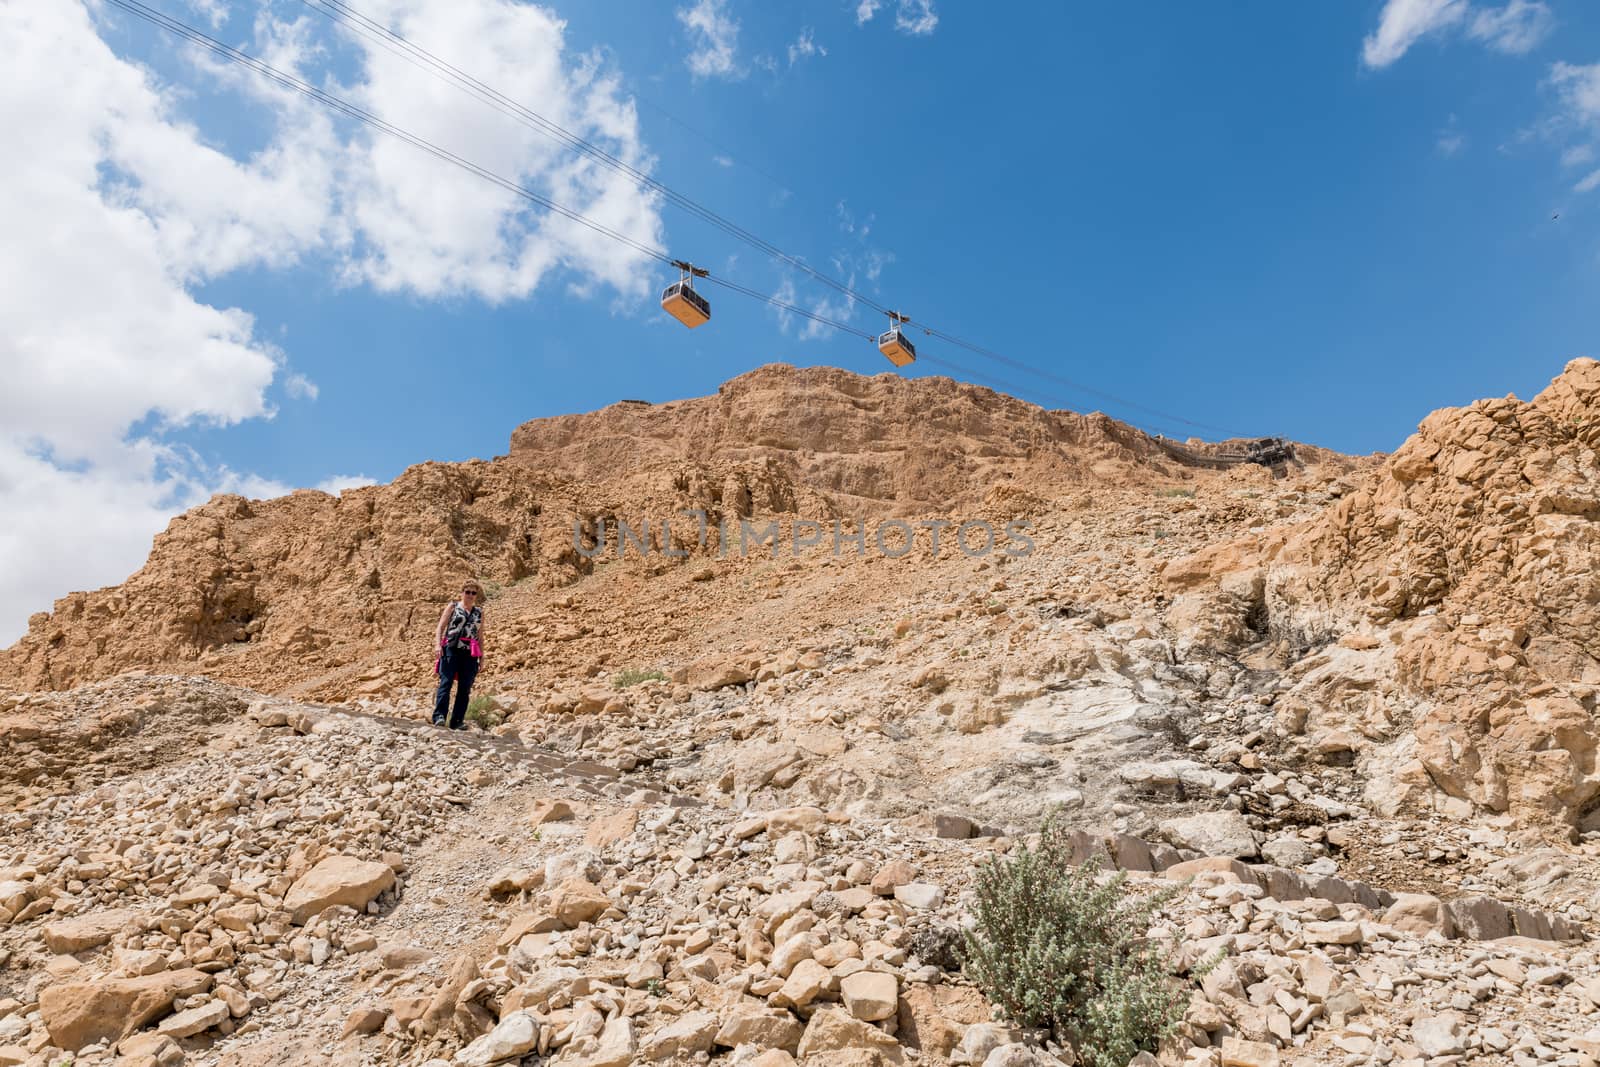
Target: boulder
[892,875]
[577,901]
[1441,1034]
[749,1024]
[614,1046]
[80,1013]
[337,880]
[870,995]
[1237,1052]
[1216,833]
[195,1020]
[690,1034]
[1419,914]
[832,1029]
[549,809]
[83,932]
[1480,918]
[919,895]
[805,983]
[515,1036]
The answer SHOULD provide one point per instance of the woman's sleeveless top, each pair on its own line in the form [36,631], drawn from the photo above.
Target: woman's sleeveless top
[463,627]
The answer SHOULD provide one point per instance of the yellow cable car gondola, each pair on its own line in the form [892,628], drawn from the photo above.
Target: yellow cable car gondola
[681,301]
[894,343]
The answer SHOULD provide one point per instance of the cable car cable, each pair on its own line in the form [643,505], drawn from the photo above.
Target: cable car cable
[1013,389]
[1079,386]
[374,30]
[183,30]
[354,19]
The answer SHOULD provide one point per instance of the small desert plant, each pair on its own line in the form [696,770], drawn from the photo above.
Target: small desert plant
[481,710]
[1058,945]
[1175,492]
[633,676]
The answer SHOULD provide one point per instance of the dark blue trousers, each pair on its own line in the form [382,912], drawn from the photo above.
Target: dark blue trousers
[458,666]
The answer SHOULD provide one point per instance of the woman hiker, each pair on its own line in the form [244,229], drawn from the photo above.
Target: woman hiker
[460,643]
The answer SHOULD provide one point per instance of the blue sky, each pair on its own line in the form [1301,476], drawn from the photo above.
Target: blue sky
[1321,221]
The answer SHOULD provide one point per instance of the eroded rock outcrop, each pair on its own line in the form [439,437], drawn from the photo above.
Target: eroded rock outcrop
[1461,583]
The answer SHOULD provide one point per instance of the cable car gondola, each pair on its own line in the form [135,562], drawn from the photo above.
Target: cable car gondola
[681,301]
[894,343]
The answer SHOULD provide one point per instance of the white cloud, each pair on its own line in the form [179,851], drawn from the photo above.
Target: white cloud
[722,161]
[714,36]
[858,257]
[804,47]
[1577,155]
[915,17]
[121,207]
[789,295]
[1402,22]
[299,387]
[213,11]
[340,482]
[1515,29]
[1589,183]
[424,226]
[70,528]
[86,527]
[1579,90]
[1450,139]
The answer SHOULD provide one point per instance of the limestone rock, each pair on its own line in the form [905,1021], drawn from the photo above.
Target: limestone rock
[195,1020]
[832,1028]
[515,1035]
[1237,1052]
[1439,1035]
[80,1013]
[577,901]
[687,1035]
[337,880]
[870,995]
[1215,833]
[747,1024]
[83,932]
[1419,914]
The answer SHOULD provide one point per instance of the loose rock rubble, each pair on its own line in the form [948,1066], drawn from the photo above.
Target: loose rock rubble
[738,821]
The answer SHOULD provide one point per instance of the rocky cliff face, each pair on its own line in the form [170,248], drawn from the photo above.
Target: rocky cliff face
[879,444]
[277,593]
[1461,580]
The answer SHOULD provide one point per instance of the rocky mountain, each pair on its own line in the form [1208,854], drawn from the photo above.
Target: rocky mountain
[879,444]
[278,592]
[730,806]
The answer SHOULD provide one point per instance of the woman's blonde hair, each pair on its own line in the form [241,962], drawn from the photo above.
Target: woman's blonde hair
[471,585]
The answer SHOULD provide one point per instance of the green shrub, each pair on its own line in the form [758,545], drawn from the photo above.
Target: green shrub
[633,676]
[481,710]
[1055,945]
